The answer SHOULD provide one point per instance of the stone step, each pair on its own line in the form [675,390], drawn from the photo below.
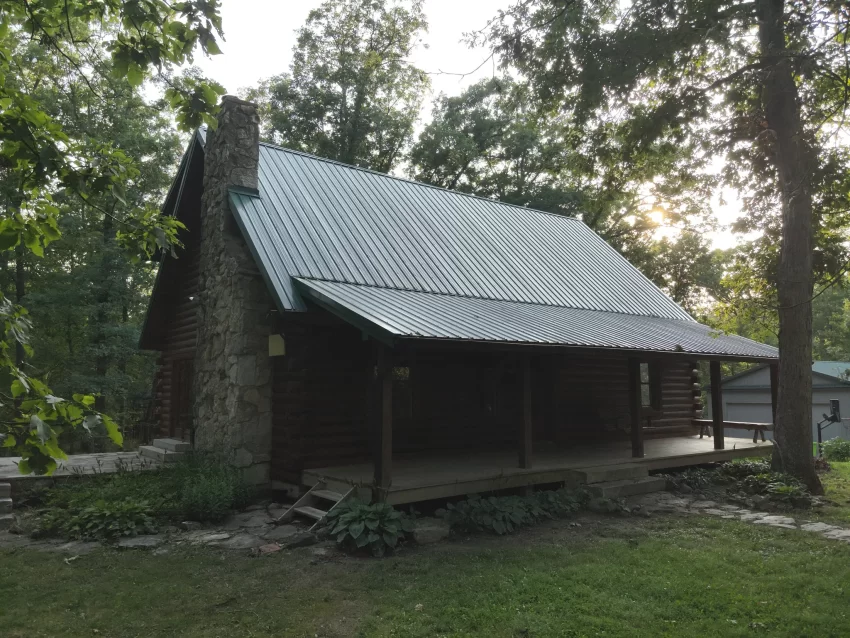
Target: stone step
[5,490]
[5,505]
[628,487]
[172,445]
[6,521]
[311,512]
[158,454]
[605,473]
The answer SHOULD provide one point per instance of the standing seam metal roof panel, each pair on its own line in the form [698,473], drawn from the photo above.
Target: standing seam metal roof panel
[408,314]
[324,220]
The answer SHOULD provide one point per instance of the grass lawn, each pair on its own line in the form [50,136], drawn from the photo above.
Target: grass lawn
[609,577]
[836,485]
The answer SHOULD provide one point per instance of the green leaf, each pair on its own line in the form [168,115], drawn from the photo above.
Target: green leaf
[356,529]
[40,427]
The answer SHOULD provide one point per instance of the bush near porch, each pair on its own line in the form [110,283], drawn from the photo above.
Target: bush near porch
[127,503]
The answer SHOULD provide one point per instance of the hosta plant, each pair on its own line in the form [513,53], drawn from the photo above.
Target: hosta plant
[375,527]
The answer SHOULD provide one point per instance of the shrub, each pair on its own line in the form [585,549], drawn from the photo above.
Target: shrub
[836,450]
[102,520]
[197,487]
[209,488]
[358,527]
[767,482]
[505,514]
[741,468]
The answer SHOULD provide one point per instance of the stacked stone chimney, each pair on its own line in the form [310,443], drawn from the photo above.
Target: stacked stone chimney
[232,391]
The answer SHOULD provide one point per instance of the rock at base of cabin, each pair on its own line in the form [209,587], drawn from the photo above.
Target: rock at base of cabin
[430,530]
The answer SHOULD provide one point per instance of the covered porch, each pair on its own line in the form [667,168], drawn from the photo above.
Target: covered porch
[422,477]
[468,395]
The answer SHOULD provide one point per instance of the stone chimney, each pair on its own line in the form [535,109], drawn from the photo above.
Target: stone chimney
[232,385]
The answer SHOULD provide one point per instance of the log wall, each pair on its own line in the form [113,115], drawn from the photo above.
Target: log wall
[449,400]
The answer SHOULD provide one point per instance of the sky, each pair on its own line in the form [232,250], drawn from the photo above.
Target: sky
[259,36]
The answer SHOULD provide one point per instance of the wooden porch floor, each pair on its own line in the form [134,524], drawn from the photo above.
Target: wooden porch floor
[424,477]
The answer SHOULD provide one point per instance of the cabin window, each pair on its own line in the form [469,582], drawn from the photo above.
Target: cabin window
[650,385]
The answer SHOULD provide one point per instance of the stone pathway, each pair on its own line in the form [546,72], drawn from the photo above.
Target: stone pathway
[666,502]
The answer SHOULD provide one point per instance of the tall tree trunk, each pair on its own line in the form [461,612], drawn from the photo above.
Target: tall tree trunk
[793,156]
[101,317]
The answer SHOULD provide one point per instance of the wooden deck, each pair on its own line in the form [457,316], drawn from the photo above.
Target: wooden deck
[424,477]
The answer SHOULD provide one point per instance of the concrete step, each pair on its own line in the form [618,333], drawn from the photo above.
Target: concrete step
[605,473]
[5,505]
[158,454]
[5,490]
[6,521]
[628,487]
[172,445]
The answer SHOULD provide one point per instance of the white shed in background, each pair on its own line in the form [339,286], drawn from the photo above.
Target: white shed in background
[746,397]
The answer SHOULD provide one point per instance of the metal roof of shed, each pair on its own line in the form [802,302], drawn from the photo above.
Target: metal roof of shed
[421,261]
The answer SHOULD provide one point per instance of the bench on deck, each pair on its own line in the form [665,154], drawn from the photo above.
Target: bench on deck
[757,428]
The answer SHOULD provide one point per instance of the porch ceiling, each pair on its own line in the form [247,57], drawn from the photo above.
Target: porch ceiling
[391,314]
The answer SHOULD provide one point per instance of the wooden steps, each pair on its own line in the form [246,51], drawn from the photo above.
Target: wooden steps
[6,516]
[317,502]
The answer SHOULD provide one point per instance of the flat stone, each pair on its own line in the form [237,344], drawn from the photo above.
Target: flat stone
[748,516]
[140,542]
[241,541]
[430,530]
[247,520]
[303,539]
[280,532]
[270,548]
[776,521]
[209,537]
[190,526]
[698,505]
[319,551]
[715,512]
[730,508]
[277,512]
[817,527]
[838,534]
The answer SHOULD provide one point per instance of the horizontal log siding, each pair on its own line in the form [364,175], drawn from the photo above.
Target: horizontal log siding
[450,401]
[319,399]
[180,329]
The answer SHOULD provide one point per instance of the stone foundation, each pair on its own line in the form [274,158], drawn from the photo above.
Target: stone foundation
[232,393]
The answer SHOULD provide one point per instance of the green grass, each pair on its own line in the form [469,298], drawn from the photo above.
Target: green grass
[617,577]
[836,484]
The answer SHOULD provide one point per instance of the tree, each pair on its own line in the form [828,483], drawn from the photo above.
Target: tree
[44,162]
[350,94]
[763,83]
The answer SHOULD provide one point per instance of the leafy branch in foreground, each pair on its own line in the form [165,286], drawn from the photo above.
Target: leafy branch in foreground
[82,49]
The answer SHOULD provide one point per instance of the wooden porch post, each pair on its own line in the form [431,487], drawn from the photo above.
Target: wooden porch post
[717,405]
[525,438]
[383,444]
[774,389]
[635,407]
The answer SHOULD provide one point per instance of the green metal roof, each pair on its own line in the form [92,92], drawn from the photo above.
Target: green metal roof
[323,221]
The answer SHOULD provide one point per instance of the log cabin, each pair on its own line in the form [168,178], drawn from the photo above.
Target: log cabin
[322,322]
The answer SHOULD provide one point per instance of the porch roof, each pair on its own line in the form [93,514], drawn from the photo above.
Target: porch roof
[390,314]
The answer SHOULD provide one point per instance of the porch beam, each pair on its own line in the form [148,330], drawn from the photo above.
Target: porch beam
[526,433]
[717,405]
[383,444]
[774,389]
[635,407]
